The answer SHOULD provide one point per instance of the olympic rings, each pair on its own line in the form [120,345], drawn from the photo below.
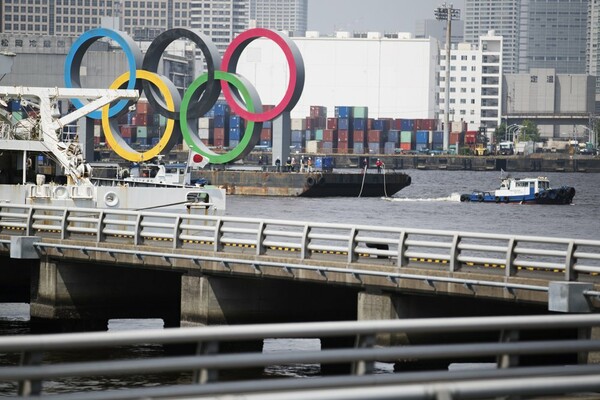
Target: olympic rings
[75,56]
[251,134]
[198,99]
[111,128]
[295,63]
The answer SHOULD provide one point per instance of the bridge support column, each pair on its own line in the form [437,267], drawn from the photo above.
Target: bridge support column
[199,304]
[374,305]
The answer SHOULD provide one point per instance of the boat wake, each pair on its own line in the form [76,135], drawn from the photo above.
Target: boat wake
[454,197]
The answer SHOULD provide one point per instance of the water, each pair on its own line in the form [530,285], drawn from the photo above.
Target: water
[430,202]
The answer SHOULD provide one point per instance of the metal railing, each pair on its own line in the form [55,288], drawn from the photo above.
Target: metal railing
[497,341]
[574,259]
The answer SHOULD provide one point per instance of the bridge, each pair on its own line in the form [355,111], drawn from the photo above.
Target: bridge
[85,266]
[428,296]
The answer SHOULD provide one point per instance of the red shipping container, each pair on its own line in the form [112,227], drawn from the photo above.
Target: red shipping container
[342,147]
[330,135]
[142,107]
[470,137]
[455,137]
[332,123]
[219,135]
[318,111]
[343,135]
[266,134]
[396,124]
[405,146]
[359,137]
[375,136]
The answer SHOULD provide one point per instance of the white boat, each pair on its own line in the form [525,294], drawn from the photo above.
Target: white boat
[41,167]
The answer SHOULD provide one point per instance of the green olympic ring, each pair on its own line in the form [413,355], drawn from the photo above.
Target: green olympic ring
[252,132]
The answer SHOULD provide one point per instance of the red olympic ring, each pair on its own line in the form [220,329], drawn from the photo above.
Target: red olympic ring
[296,69]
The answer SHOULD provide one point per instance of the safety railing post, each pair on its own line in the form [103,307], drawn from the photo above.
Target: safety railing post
[510,269]
[64,233]
[260,238]
[30,387]
[177,242]
[362,367]
[218,246]
[352,256]
[454,253]
[138,239]
[508,360]
[30,212]
[570,274]
[206,375]
[100,235]
[304,250]
[402,259]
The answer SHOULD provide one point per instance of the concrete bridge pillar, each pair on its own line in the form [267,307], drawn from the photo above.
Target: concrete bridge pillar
[374,305]
[84,296]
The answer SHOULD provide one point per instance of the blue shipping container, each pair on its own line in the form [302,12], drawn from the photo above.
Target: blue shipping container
[393,136]
[234,134]
[438,137]
[297,136]
[407,124]
[360,124]
[235,121]
[343,112]
[220,121]
[344,124]
[422,137]
[221,109]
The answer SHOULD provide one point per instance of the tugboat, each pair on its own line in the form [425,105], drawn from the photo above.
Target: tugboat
[523,191]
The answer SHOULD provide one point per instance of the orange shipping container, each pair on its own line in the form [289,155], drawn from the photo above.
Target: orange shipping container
[343,135]
[405,146]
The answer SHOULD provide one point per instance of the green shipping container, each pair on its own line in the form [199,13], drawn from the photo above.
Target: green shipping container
[318,134]
[361,112]
[406,137]
[142,131]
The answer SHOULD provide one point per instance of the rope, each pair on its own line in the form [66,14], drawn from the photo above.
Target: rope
[363,181]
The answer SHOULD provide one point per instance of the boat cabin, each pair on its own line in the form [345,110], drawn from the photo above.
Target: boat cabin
[513,186]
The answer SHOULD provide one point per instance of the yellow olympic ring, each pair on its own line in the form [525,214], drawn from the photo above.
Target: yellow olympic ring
[116,142]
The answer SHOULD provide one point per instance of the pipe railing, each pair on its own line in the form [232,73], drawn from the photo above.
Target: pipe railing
[562,259]
[451,340]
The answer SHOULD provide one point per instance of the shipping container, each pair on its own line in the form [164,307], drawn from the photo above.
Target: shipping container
[268,124]
[142,131]
[361,112]
[222,109]
[343,112]
[393,136]
[265,143]
[389,148]
[407,137]
[458,126]
[406,146]
[344,135]
[407,125]
[422,137]
[425,124]
[360,124]
[221,121]
[309,135]
[437,139]
[233,143]
[318,134]
[421,146]
[235,121]
[381,125]
[298,136]
[234,134]
[345,123]
[330,135]
[359,148]
[326,146]
[142,107]
[376,136]
[332,123]
[456,137]
[318,111]
[359,137]
[220,139]
[374,148]
[205,134]
[342,147]
[312,146]
[298,124]
[128,131]
[266,134]
[204,123]
[471,137]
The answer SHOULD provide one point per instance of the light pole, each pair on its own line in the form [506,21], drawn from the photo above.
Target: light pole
[446,12]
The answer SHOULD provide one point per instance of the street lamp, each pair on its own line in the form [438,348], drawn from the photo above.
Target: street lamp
[446,12]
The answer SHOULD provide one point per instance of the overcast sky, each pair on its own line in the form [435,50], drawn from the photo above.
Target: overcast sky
[328,16]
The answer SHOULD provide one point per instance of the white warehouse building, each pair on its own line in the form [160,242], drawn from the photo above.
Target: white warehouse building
[395,77]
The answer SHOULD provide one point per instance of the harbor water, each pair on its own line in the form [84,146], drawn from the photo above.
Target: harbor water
[430,202]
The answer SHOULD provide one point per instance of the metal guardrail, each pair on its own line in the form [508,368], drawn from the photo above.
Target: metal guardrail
[573,258]
[497,340]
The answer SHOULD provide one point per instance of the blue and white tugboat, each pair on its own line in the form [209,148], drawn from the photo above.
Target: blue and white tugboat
[523,191]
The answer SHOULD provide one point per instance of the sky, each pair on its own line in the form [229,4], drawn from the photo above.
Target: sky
[328,16]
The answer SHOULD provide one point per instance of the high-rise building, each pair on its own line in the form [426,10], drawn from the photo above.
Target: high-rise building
[503,17]
[281,15]
[537,33]
[593,42]
[221,20]
[143,20]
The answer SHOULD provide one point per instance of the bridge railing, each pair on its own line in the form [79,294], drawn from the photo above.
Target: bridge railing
[504,350]
[401,248]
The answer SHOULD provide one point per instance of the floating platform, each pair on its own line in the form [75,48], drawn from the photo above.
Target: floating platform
[316,184]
